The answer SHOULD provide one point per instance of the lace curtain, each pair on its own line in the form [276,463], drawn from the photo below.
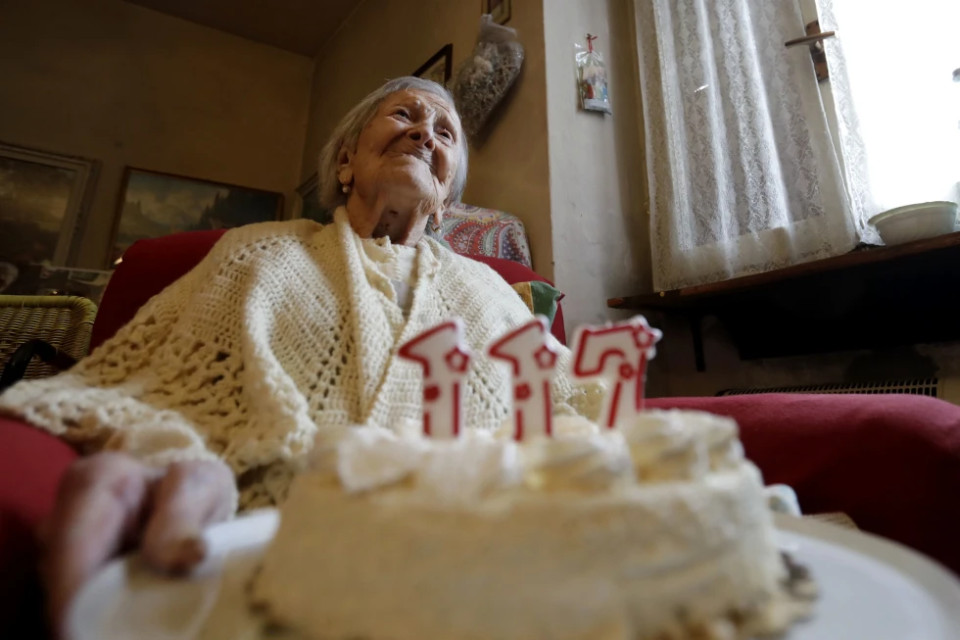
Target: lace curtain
[742,172]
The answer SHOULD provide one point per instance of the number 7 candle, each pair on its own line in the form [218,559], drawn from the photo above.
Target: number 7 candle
[618,353]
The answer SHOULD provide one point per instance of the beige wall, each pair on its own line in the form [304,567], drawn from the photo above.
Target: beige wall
[597,198]
[125,85]
[388,38]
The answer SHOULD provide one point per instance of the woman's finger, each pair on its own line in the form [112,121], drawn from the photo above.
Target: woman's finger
[191,496]
[99,504]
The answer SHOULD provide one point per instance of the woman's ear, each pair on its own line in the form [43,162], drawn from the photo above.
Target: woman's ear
[345,166]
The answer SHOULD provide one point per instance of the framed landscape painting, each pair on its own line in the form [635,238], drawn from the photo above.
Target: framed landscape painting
[43,200]
[154,204]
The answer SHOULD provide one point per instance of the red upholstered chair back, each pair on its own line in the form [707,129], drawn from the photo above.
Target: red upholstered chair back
[149,266]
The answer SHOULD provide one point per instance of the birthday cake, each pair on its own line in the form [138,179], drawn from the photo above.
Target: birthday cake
[653,526]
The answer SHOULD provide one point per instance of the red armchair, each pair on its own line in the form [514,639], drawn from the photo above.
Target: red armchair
[890,462]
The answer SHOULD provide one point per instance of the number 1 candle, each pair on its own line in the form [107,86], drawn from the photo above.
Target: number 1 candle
[532,360]
[444,357]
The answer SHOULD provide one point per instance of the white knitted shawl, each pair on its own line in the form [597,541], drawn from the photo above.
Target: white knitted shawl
[283,329]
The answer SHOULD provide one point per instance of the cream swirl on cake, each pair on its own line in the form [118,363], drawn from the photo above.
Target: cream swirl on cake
[658,446]
[444,472]
[465,470]
[682,445]
[578,457]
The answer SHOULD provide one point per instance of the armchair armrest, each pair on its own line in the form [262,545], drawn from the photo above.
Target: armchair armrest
[31,464]
[890,462]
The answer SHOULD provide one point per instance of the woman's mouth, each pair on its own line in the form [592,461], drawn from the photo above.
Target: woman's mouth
[413,151]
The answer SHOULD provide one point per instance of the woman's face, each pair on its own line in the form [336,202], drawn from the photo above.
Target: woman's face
[403,167]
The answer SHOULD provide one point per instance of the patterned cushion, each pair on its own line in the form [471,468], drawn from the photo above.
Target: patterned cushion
[475,231]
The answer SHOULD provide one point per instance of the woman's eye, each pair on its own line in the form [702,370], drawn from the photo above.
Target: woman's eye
[403,113]
[445,134]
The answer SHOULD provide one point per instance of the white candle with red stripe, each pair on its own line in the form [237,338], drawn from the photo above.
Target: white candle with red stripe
[532,360]
[618,353]
[444,358]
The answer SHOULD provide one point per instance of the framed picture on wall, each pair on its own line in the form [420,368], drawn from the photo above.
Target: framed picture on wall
[154,204]
[43,200]
[439,67]
[310,206]
[499,10]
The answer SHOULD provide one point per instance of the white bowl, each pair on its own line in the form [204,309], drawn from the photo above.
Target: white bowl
[916,222]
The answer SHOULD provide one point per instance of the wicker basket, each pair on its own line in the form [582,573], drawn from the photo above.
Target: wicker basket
[64,321]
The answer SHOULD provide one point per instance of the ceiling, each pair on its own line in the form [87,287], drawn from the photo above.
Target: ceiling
[300,26]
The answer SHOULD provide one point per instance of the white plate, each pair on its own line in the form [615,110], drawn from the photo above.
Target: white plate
[916,221]
[871,589]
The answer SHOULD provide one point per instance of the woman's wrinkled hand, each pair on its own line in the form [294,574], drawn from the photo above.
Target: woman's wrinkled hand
[110,502]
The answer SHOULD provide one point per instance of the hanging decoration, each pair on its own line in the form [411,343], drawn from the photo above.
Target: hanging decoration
[484,79]
[592,77]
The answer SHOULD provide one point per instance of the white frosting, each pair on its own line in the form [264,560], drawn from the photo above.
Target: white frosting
[371,457]
[467,470]
[579,458]
[592,534]
[665,448]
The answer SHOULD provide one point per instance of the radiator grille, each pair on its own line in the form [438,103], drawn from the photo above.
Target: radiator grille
[920,387]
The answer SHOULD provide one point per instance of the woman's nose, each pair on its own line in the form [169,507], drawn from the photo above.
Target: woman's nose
[422,136]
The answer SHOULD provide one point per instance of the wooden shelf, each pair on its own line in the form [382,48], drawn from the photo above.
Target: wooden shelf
[869,298]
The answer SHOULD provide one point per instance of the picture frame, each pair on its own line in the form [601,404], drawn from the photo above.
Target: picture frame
[310,206]
[439,67]
[44,201]
[499,10]
[153,204]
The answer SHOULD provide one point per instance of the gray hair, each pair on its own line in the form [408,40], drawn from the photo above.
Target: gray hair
[347,132]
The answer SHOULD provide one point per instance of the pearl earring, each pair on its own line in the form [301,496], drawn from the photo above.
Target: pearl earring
[345,188]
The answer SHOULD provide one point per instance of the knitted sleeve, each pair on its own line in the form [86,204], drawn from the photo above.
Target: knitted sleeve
[128,395]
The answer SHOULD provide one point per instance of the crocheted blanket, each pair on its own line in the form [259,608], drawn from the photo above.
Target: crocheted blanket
[284,329]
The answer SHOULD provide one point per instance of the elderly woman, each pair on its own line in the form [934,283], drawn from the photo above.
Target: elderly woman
[211,397]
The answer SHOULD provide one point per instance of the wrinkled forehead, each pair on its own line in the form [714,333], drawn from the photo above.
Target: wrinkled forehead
[423,100]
